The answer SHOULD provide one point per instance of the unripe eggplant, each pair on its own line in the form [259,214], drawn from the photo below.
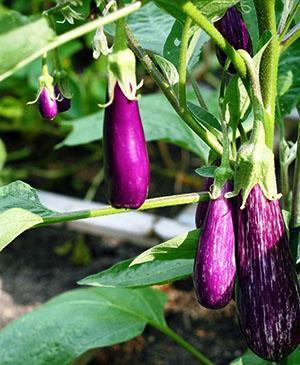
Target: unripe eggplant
[234,30]
[125,153]
[47,104]
[202,207]
[214,268]
[268,296]
[63,103]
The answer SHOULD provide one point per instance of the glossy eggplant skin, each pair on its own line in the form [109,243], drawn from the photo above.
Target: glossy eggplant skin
[214,268]
[234,30]
[47,105]
[268,298]
[126,159]
[202,207]
[63,103]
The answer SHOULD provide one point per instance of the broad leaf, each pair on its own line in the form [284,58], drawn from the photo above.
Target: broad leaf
[167,262]
[164,125]
[21,39]
[72,323]
[15,221]
[289,79]
[204,117]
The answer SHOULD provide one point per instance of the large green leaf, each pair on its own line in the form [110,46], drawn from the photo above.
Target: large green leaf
[289,79]
[72,323]
[164,124]
[21,39]
[169,261]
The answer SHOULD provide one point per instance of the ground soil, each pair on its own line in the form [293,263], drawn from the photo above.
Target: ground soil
[31,272]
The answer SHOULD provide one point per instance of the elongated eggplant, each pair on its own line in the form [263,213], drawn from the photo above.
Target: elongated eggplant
[125,153]
[214,268]
[268,297]
[202,207]
[47,105]
[234,30]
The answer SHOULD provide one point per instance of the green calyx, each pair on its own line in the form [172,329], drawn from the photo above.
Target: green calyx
[222,175]
[62,80]
[45,81]
[255,165]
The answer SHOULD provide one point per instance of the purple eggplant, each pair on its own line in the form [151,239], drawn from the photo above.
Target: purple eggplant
[234,30]
[202,207]
[63,103]
[214,268]
[268,296]
[125,153]
[47,104]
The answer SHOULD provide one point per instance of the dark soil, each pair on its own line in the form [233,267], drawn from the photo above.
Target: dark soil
[31,273]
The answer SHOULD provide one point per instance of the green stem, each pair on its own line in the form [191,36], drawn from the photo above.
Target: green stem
[161,202]
[120,42]
[146,61]
[183,64]
[195,14]
[55,51]
[197,92]
[265,10]
[74,34]
[295,212]
[186,345]
[226,143]
[290,38]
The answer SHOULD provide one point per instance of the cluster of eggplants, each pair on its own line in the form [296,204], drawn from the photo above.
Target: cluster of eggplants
[214,268]
[49,107]
[126,160]
[234,30]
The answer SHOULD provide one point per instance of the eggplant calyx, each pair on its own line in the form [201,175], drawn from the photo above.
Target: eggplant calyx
[255,165]
[222,175]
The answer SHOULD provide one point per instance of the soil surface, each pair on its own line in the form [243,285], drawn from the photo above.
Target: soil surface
[33,269]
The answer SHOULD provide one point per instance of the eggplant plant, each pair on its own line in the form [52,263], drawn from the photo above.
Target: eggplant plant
[242,251]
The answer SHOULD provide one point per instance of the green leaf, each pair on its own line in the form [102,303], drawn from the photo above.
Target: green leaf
[206,171]
[3,154]
[289,76]
[21,195]
[249,358]
[204,117]
[168,69]
[165,125]
[250,18]
[151,26]
[170,261]
[79,320]
[22,39]
[15,221]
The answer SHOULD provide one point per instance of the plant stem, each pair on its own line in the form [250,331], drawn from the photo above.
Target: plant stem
[74,34]
[120,42]
[186,345]
[146,61]
[290,38]
[165,201]
[197,92]
[191,10]
[183,64]
[295,212]
[265,10]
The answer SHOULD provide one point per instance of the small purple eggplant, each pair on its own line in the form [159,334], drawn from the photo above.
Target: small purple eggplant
[214,268]
[125,153]
[268,296]
[202,207]
[234,30]
[47,104]
[63,103]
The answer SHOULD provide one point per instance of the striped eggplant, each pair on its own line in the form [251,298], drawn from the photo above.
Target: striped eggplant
[214,268]
[202,207]
[268,297]
[234,30]
[126,160]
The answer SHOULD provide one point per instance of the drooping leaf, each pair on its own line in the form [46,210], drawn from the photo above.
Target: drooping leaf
[206,171]
[164,125]
[22,39]
[170,261]
[79,320]
[168,69]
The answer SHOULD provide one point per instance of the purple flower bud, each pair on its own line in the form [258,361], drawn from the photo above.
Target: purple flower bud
[234,30]
[268,295]
[47,105]
[125,153]
[214,268]
[203,206]
[63,103]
